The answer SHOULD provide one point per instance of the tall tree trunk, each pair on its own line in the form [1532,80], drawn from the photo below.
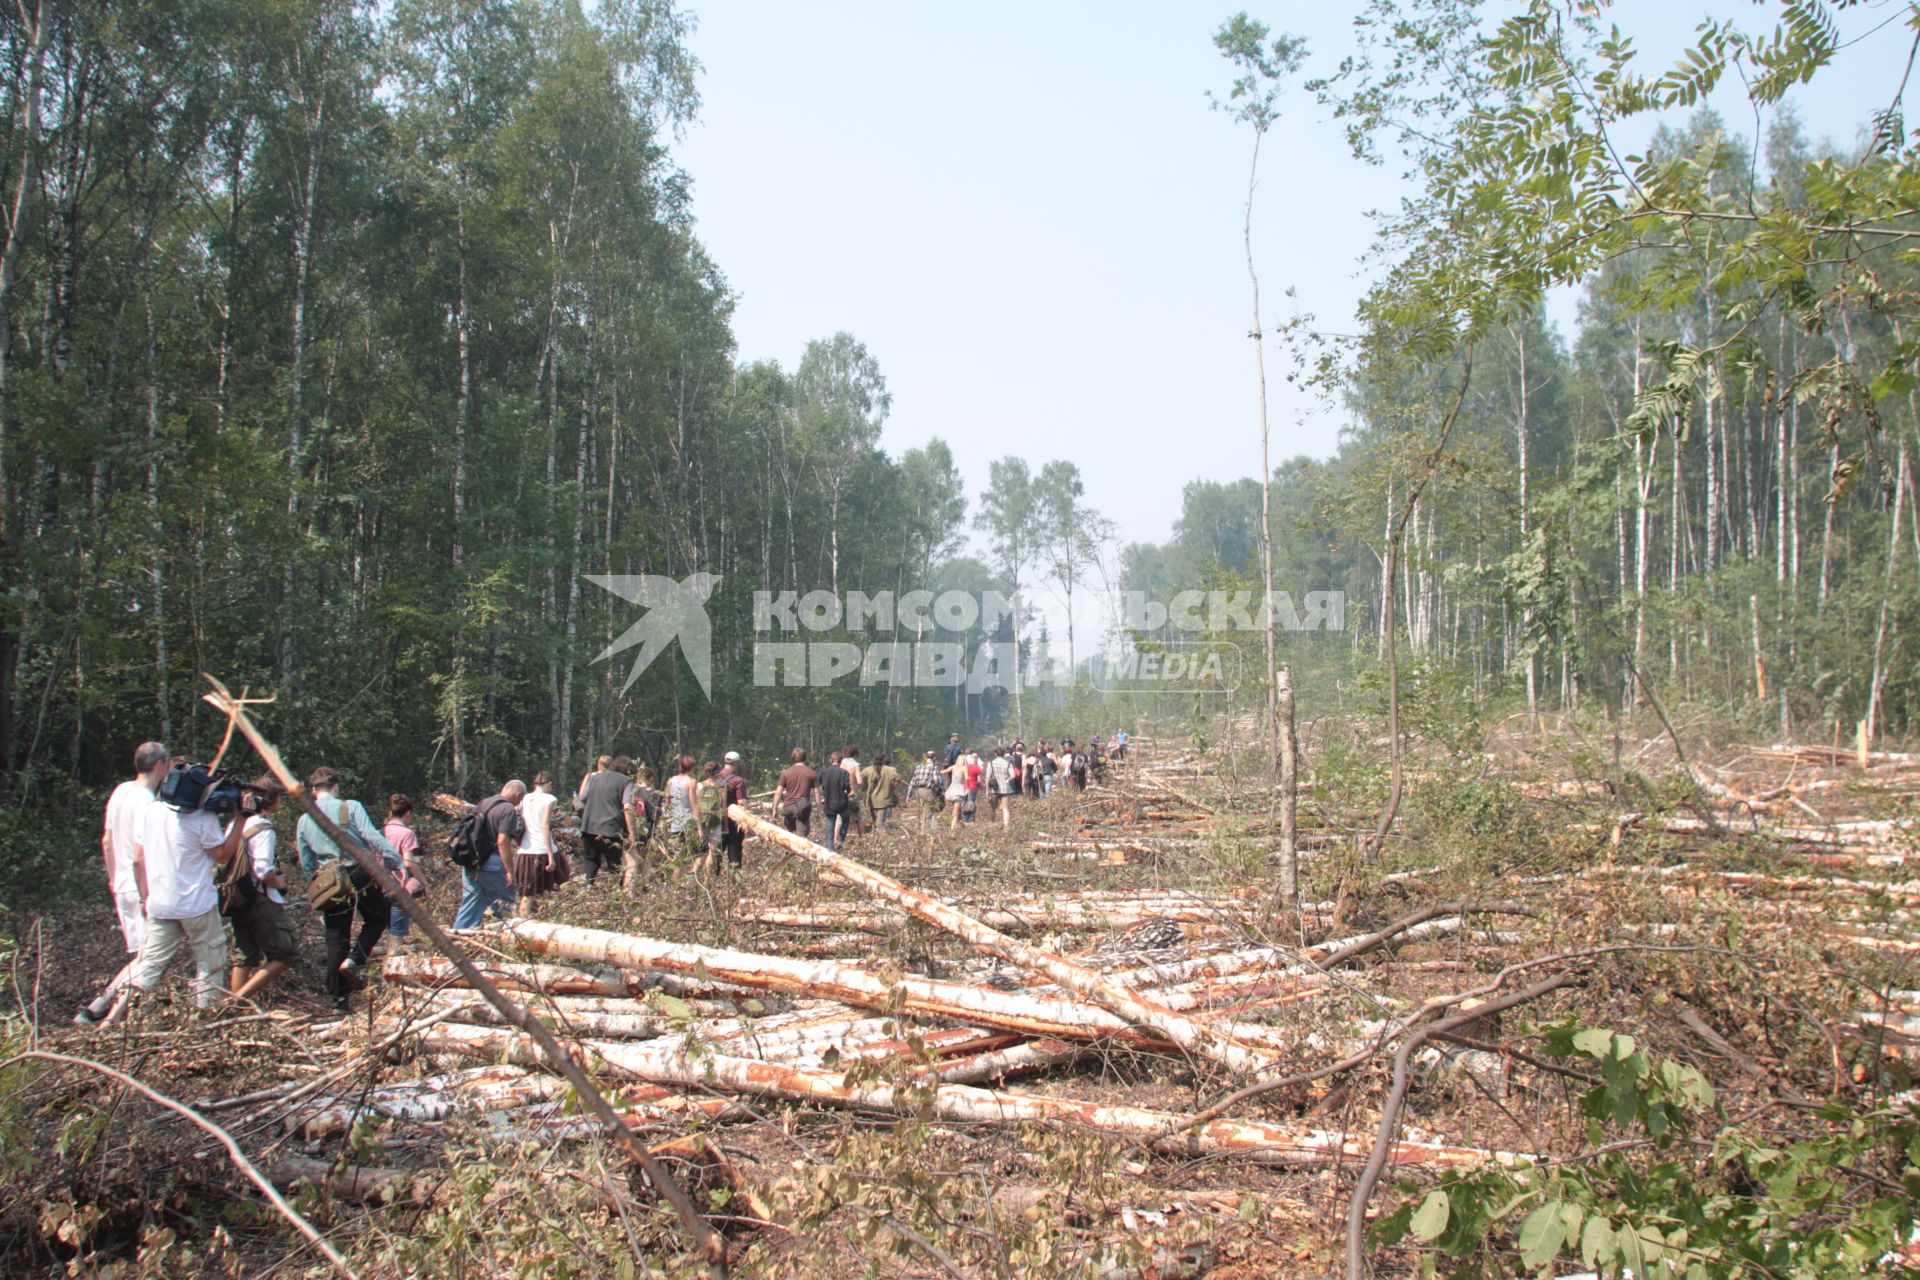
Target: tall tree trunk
[1289,793]
[1676,532]
[462,415]
[160,657]
[572,631]
[1521,429]
[1886,598]
[1258,335]
[19,227]
[303,229]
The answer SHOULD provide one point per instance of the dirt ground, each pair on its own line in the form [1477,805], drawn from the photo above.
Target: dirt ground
[1743,921]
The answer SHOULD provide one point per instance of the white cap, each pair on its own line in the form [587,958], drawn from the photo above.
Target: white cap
[732,757]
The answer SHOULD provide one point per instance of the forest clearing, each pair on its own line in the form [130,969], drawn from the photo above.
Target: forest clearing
[967,642]
[834,1081]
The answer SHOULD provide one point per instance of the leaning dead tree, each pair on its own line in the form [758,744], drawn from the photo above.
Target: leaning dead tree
[1230,1052]
[706,1242]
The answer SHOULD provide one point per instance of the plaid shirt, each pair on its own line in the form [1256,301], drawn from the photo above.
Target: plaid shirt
[926,777]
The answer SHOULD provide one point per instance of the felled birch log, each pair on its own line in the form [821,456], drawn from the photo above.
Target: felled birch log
[359,1183]
[1282,1145]
[483,1089]
[718,999]
[830,980]
[1022,916]
[1216,1043]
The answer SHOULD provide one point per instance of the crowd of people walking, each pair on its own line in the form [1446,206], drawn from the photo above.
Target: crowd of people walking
[184,882]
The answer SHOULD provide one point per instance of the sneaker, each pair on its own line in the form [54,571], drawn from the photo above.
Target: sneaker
[86,1018]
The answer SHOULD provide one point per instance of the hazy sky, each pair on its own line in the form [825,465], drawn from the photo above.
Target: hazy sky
[1031,216]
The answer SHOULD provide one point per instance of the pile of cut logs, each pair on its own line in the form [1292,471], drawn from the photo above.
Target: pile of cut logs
[693,1030]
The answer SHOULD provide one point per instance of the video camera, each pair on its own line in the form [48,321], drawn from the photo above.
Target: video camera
[194,788]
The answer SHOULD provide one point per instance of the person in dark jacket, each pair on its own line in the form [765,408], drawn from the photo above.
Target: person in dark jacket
[836,800]
[733,837]
[606,824]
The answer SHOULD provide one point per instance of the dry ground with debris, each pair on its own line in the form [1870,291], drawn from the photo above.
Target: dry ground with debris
[848,1090]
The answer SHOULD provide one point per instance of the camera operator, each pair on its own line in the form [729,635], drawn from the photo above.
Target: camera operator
[180,850]
[347,955]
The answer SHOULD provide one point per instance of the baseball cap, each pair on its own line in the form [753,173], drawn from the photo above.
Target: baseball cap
[732,757]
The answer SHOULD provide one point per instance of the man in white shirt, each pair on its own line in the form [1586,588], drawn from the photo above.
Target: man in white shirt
[180,853]
[119,846]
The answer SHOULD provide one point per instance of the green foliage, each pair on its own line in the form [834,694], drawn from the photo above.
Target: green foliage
[1671,1190]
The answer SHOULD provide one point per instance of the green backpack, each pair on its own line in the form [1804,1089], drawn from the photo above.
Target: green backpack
[710,803]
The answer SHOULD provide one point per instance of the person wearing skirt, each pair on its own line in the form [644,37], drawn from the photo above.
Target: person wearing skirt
[540,867]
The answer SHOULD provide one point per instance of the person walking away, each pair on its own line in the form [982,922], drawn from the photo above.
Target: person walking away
[538,867]
[683,824]
[498,830]
[883,789]
[1076,765]
[794,794]
[954,749]
[856,789]
[400,834]
[1018,759]
[924,789]
[126,877]
[180,851]
[976,778]
[710,811]
[347,954]
[1049,767]
[605,828]
[836,795]
[600,765]
[964,789]
[262,930]
[1120,740]
[733,836]
[1002,772]
[640,805]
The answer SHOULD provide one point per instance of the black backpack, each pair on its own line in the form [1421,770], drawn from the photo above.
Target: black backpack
[466,851]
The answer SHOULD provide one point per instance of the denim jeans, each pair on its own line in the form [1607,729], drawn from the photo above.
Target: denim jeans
[486,887]
[837,826]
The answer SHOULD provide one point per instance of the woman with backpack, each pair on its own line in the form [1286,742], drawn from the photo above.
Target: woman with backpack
[710,811]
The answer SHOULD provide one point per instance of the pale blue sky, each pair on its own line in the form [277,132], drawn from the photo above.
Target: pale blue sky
[1031,216]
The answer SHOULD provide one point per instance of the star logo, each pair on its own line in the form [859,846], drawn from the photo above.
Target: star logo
[675,610]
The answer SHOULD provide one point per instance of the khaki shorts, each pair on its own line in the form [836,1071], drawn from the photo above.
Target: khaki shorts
[262,932]
[201,936]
